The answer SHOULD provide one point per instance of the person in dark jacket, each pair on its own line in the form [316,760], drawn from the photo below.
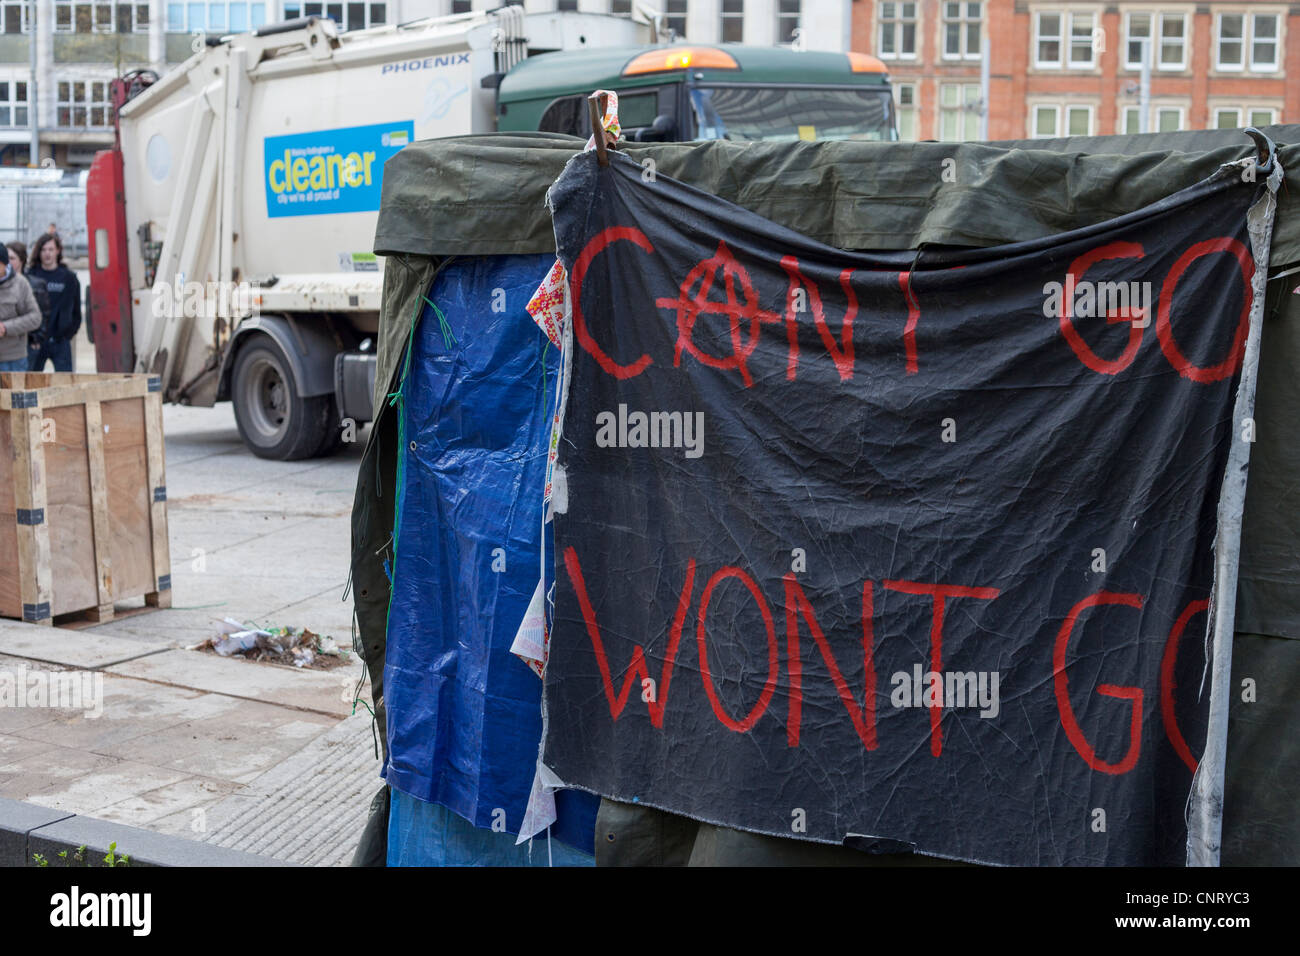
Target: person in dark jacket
[63,320]
[18,259]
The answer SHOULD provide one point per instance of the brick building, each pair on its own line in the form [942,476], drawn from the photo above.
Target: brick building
[1060,69]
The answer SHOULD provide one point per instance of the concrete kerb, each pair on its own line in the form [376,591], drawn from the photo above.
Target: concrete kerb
[28,831]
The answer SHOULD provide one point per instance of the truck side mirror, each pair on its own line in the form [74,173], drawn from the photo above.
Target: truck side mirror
[659,128]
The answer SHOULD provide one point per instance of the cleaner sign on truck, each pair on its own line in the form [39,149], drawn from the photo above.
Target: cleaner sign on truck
[333,170]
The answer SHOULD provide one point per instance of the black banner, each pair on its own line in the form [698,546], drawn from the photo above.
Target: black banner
[908,549]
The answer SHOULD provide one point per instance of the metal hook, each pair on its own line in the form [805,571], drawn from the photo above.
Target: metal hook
[596,110]
[1266,150]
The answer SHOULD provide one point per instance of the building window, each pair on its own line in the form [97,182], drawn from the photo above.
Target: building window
[15,16]
[621,8]
[83,104]
[1169,119]
[1173,42]
[1232,44]
[1227,119]
[1081,41]
[676,14]
[1048,32]
[787,19]
[897,31]
[1239,32]
[1078,121]
[1048,117]
[1132,120]
[959,112]
[1136,29]
[461,6]
[1263,42]
[733,21]
[1046,120]
[1170,40]
[1056,32]
[570,6]
[961,31]
[905,107]
[76,16]
[13,104]
[347,16]
[232,16]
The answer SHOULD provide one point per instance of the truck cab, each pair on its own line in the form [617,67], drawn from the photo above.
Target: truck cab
[685,93]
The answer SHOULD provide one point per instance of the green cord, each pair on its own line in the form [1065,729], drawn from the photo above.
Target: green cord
[447,338]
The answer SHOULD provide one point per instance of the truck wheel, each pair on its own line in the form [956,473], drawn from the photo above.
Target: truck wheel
[332,440]
[274,421]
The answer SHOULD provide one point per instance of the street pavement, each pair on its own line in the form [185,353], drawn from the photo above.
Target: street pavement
[260,757]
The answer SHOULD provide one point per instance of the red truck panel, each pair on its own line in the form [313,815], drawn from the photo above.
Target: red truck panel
[110,283]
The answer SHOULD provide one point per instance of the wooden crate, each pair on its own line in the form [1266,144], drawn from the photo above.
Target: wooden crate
[83,497]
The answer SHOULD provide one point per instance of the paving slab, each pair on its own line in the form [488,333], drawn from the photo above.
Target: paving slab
[237,753]
[309,809]
[86,649]
[106,786]
[317,691]
[49,769]
[192,792]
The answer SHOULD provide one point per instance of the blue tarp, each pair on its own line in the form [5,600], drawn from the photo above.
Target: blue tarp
[425,834]
[476,401]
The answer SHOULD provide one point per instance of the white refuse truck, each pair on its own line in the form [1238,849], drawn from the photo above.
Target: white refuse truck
[230,228]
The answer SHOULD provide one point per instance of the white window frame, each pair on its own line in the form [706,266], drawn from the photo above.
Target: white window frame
[1124,114]
[896,24]
[960,109]
[323,11]
[1219,63]
[13,103]
[1034,110]
[135,6]
[726,16]
[270,13]
[72,103]
[1091,62]
[1065,118]
[1157,109]
[781,16]
[1235,110]
[1275,40]
[1158,34]
[1061,119]
[1060,37]
[964,20]
[23,7]
[1129,63]
[1271,110]
[913,108]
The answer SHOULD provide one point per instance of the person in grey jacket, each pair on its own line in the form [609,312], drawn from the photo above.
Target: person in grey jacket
[19,314]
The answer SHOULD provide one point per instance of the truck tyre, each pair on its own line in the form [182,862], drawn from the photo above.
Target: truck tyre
[332,439]
[274,420]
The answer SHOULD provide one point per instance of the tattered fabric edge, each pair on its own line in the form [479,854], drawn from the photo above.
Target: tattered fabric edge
[1205,801]
[540,813]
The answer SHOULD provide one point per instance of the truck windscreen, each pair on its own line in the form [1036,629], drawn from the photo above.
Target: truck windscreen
[747,114]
